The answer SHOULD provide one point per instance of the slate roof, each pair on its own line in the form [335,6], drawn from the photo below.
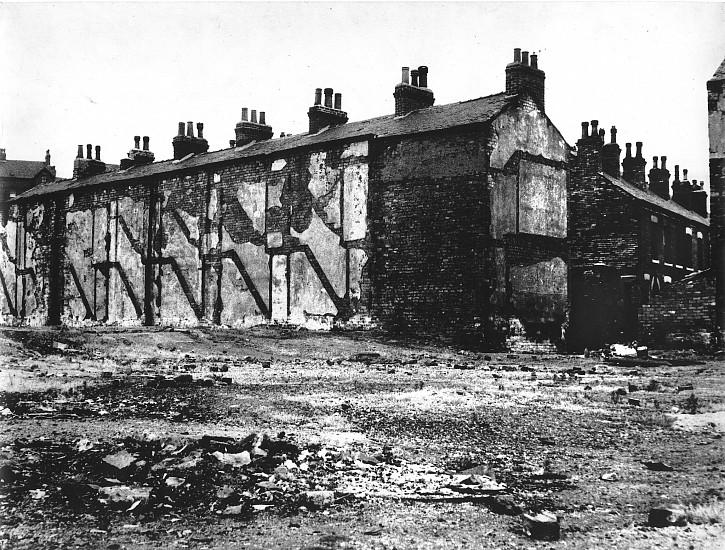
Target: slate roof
[720,73]
[655,200]
[24,169]
[438,117]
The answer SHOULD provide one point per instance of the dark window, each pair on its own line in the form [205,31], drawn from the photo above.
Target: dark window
[655,240]
[669,244]
[684,251]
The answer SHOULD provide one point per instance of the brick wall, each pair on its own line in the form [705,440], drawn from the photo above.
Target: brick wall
[682,315]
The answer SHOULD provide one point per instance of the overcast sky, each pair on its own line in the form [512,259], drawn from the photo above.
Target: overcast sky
[101,73]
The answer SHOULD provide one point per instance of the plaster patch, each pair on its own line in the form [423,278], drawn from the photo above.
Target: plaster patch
[251,197]
[358,259]
[279,288]
[325,245]
[357,149]
[355,202]
[211,209]
[278,165]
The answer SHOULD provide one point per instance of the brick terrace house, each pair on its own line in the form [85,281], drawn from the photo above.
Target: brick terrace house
[17,176]
[629,237]
[446,219]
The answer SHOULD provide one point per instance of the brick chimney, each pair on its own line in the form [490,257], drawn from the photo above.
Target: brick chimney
[186,144]
[690,195]
[698,200]
[610,155]
[411,96]
[329,114]
[659,179]
[138,156]
[526,78]
[248,131]
[589,152]
[88,166]
[3,156]
[633,167]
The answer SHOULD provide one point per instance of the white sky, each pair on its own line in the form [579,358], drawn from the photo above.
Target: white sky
[101,73]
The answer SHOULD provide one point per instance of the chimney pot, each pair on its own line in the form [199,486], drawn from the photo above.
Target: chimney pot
[47,156]
[200,129]
[639,149]
[245,114]
[406,75]
[79,154]
[595,129]
[190,129]
[414,77]
[525,58]
[517,55]
[654,162]
[262,117]
[136,142]
[181,128]
[98,152]
[423,76]
[613,134]
[328,97]
[585,129]
[629,150]
[534,61]
[89,151]
[318,96]
[601,134]
[684,174]
[664,163]
[677,172]
[232,143]
[254,116]
[338,101]
[145,143]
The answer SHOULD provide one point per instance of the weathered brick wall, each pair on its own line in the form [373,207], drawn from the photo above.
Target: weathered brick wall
[682,315]
[452,216]
[237,244]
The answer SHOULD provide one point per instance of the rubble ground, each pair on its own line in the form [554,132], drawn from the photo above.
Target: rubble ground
[274,437]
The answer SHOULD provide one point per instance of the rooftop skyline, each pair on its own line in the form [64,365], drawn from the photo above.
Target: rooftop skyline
[103,73]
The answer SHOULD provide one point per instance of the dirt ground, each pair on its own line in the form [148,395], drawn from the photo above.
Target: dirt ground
[280,438]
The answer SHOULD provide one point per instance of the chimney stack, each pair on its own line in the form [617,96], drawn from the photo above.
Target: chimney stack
[659,179]
[248,131]
[84,167]
[322,116]
[525,79]
[47,157]
[187,144]
[138,156]
[413,96]
[633,168]
[589,153]
[610,155]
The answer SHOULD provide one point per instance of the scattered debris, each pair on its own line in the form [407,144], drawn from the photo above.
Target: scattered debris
[657,466]
[665,517]
[542,526]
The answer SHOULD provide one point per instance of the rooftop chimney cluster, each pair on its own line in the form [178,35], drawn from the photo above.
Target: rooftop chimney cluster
[186,143]
[138,156]
[412,93]
[247,130]
[596,155]
[523,77]
[88,166]
[328,115]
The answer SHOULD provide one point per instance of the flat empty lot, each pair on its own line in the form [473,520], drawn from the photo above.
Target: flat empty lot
[280,438]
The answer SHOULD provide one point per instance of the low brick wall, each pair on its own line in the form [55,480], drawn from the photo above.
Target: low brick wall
[682,315]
